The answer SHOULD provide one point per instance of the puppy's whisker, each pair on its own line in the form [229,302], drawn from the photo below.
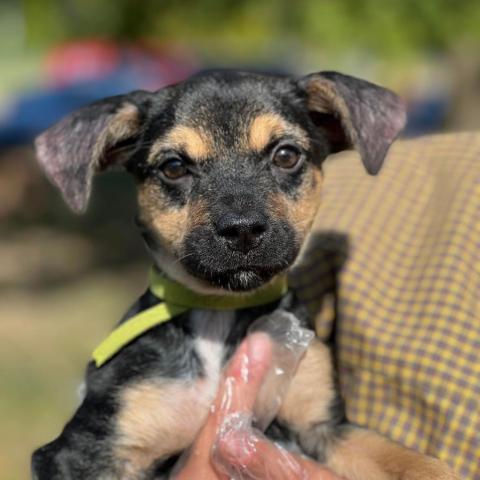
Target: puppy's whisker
[180,259]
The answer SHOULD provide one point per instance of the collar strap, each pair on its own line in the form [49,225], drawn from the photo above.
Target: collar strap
[176,299]
[175,293]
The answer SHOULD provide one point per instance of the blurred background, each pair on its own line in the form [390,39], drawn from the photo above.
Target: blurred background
[65,280]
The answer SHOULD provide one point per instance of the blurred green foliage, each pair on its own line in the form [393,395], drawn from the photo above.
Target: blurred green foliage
[385,27]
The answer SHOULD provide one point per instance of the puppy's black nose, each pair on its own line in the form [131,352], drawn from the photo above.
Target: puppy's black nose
[242,231]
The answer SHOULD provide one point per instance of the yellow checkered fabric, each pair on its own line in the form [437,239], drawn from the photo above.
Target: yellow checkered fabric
[393,278]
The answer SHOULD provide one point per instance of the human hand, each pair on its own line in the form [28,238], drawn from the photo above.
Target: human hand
[228,447]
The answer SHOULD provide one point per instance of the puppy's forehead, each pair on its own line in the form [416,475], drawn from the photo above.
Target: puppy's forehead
[214,115]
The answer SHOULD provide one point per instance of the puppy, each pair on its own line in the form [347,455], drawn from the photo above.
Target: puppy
[229,173]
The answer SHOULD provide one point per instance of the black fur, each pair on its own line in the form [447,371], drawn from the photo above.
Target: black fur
[232,181]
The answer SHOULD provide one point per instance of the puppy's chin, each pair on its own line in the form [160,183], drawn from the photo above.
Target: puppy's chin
[213,273]
[219,283]
[242,280]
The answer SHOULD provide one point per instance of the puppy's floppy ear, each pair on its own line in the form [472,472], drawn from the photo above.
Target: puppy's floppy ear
[356,114]
[90,140]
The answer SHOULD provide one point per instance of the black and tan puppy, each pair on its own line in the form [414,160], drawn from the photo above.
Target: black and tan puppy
[229,174]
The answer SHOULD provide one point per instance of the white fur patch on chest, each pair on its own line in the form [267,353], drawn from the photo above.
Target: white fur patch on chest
[161,417]
[212,328]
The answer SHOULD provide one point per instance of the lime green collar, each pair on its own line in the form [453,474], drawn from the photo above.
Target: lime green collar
[175,293]
[176,299]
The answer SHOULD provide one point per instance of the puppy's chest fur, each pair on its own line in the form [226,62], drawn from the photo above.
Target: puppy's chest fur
[158,417]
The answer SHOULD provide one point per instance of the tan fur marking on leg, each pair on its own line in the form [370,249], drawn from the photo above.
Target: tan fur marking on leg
[311,391]
[364,454]
[158,420]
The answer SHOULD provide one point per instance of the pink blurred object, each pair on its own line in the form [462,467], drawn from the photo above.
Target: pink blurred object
[81,61]
[95,59]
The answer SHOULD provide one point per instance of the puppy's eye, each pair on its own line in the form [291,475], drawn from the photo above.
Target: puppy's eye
[286,157]
[174,169]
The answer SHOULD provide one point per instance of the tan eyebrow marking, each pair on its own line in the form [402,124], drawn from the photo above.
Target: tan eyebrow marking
[269,125]
[195,142]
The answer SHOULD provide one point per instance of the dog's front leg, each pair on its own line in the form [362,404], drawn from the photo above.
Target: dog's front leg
[313,411]
[359,454]
[131,438]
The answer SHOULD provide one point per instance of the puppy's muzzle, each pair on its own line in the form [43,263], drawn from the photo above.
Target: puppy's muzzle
[242,232]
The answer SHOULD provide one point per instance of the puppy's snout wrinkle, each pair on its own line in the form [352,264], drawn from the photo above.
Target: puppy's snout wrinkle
[242,231]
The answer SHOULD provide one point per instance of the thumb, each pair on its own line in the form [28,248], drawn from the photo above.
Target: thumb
[241,453]
[244,376]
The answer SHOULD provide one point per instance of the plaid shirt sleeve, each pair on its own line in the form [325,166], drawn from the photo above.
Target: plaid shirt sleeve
[392,275]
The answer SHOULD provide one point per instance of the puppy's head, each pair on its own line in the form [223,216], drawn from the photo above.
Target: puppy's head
[228,164]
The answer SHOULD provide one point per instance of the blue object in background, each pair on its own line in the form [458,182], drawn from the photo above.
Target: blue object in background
[77,83]
[34,112]
[426,115]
